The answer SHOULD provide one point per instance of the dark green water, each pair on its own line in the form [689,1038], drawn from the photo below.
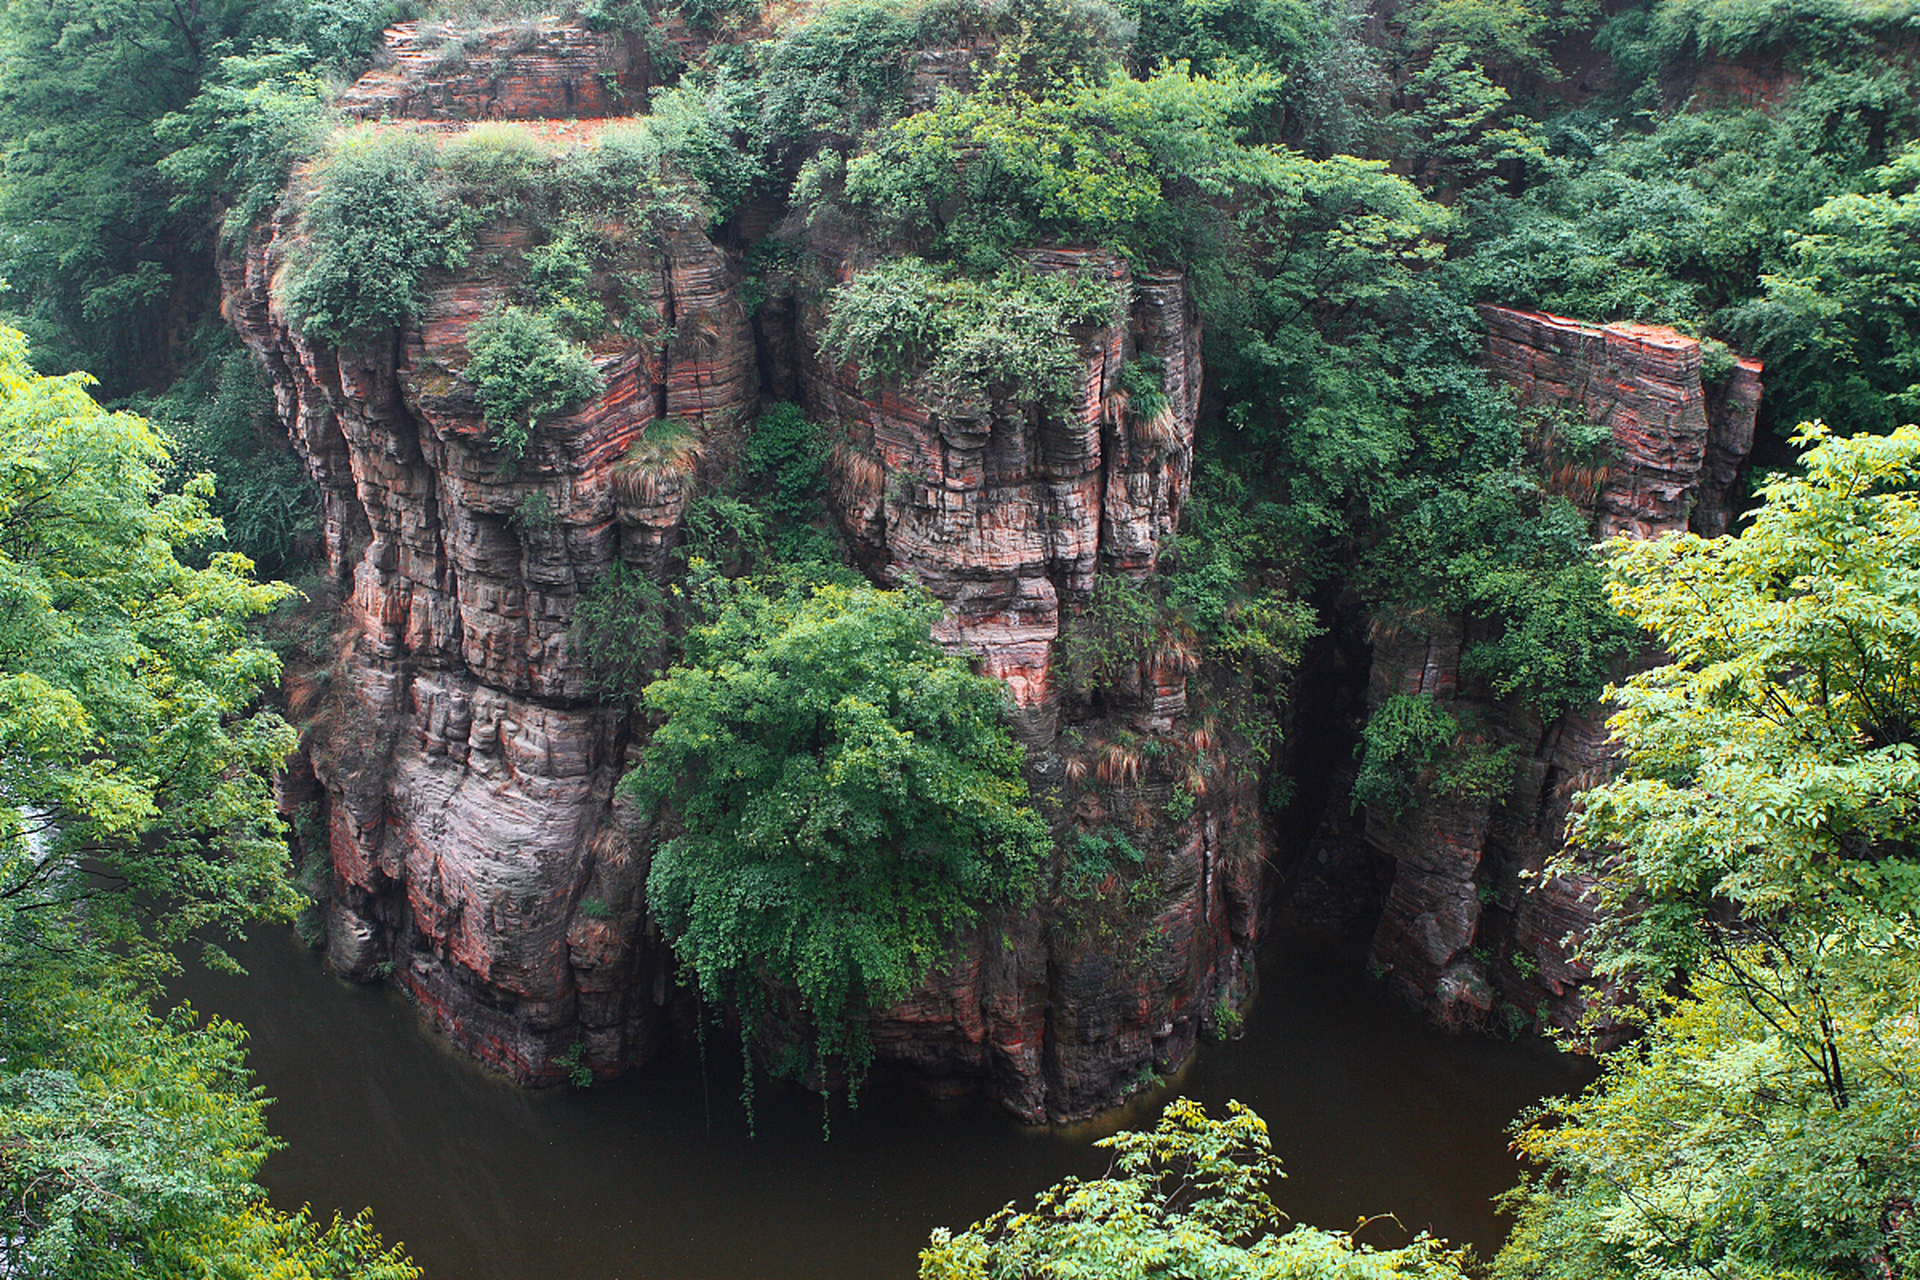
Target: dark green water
[654,1177]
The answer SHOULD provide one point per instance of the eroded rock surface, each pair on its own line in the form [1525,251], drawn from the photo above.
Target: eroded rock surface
[468,769]
[1473,929]
[1007,517]
[532,70]
[463,766]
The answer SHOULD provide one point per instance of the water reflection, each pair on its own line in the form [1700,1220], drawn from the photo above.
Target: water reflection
[655,1176]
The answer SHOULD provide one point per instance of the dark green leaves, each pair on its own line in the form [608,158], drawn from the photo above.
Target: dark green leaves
[526,370]
[378,222]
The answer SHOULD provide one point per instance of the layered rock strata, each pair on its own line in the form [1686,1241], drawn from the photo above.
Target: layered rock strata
[1472,928]
[467,768]
[533,70]
[464,769]
[1007,516]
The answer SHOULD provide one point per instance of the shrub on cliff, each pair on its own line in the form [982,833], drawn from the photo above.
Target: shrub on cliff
[1514,560]
[964,341]
[525,370]
[846,796]
[378,221]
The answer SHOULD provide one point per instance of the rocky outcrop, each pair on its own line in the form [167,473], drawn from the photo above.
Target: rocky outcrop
[464,766]
[1473,928]
[1063,1010]
[1006,517]
[468,769]
[531,70]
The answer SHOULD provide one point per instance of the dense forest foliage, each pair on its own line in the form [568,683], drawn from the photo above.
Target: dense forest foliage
[134,760]
[1342,183]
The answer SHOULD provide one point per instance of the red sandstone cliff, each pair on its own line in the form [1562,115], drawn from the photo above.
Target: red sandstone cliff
[533,70]
[1469,919]
[1007,519]
[466,772]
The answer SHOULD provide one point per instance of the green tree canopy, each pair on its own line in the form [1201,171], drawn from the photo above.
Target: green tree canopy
[135,816]
[845,795]
[1771,767]
[134,756]
[1761,840]
[1187,1201]
[1710,1148]
[131,1146]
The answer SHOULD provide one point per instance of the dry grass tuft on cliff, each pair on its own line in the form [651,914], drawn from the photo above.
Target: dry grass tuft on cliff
[659,463]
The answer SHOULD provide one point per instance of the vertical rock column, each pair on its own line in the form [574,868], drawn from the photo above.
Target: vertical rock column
[1006,517]
[467,765]
[1468,873]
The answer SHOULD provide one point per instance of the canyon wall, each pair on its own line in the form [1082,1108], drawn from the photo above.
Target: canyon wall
[467,769]
[1006,516]
[534,70]
[1472,927]
[462,768]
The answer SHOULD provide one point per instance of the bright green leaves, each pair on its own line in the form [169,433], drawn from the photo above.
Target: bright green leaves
[526,370]
[128,731]
[1710,1148]
[1763,839]
[1773,764]
[1116,163]
[1186,1201]
[965,342]
[846,797]
[135,816]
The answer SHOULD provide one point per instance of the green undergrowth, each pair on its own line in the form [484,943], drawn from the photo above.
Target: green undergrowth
[382,211]
[965,342]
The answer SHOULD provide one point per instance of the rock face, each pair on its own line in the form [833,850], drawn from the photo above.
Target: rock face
[467,770]
[463,768]
[520,71]
[1471,929]
[1006,518]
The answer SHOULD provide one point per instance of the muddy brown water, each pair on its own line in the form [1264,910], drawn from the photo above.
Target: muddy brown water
[654,1176]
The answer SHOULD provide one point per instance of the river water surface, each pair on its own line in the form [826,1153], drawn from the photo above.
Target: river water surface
[654,1176]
